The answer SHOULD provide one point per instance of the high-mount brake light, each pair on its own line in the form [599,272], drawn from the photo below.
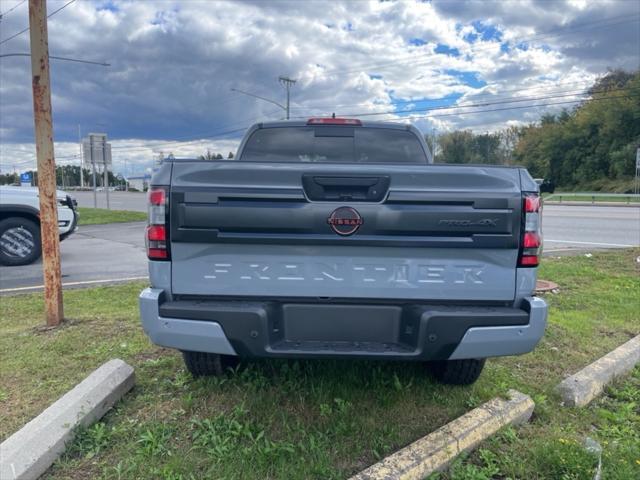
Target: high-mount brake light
[334,121]
[157,234]
[531,239]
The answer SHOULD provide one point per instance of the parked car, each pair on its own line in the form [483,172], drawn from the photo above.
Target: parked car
[336,238]
[545,185]
[20,242]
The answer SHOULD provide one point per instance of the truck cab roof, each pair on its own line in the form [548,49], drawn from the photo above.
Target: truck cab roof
[336,122]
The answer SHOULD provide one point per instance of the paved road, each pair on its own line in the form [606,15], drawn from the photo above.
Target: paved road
[583,227]
[110,253]
[93,255]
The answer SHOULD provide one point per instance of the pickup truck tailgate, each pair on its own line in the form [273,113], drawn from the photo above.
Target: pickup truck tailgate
[423,232]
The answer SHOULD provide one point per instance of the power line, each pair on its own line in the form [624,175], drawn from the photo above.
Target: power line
[481,94]
[2,15]
[519,107]
[483,104]
[595,24]
[103,64]
[559,32]
[180,141]
[194,138]
[27,29]
[229,132]
[471,105]
[147,146]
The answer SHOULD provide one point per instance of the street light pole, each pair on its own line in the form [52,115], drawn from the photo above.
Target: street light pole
[93,171]
[259,97]
[81,162]
[286,81]
[49,232]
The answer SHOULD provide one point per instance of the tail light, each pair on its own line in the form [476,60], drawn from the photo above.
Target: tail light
[531,241]
[157,236]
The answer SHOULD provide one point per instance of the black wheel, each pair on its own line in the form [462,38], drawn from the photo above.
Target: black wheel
[458,372]
[19,241]
[202,364]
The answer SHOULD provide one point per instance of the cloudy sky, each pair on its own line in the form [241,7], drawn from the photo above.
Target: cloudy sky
[173,65]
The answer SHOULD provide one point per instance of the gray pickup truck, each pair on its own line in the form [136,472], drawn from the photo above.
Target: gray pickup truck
[336,238]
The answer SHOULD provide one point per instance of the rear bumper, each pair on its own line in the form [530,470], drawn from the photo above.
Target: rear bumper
[317,330]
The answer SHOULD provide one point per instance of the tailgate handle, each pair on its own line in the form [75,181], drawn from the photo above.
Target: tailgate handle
[333,188]
[346,181]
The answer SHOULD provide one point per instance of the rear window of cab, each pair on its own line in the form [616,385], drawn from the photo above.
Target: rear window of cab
[333,144]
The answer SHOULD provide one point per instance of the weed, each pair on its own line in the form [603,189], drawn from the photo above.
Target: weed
[322,419]
[565,459]
[508,435]
[154,441]
[90,441]
[487,469]
[188,400]
[472,401]
[227,436]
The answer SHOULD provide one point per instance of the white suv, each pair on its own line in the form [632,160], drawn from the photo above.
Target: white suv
[20,242]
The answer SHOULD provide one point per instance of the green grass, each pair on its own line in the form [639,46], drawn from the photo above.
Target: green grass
[554,445]
[619,185]
[322,419]
[589,199]
[97,216]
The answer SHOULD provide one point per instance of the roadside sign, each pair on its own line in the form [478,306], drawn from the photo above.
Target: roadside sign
[25,179]
[96,149]
[638,158]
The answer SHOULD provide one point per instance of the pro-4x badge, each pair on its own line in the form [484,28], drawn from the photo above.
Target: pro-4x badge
[345,221]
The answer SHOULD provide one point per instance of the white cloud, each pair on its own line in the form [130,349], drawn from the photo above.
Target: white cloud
[173,64]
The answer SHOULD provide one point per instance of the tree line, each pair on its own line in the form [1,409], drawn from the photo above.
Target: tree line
[66,176]
[209,155]
[593,145]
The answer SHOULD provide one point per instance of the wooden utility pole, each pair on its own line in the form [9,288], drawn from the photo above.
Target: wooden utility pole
[46,163]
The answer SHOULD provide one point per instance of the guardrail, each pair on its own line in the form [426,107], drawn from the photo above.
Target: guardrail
[594,197]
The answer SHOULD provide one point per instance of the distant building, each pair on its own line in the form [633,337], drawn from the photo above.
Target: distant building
[140,182]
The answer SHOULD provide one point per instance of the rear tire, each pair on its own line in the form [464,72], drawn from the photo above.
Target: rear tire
[202,364]
[20,242]
[458,372]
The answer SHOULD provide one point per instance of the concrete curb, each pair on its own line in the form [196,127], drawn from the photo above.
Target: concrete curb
[579,389]
[435,451]
[30,451]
